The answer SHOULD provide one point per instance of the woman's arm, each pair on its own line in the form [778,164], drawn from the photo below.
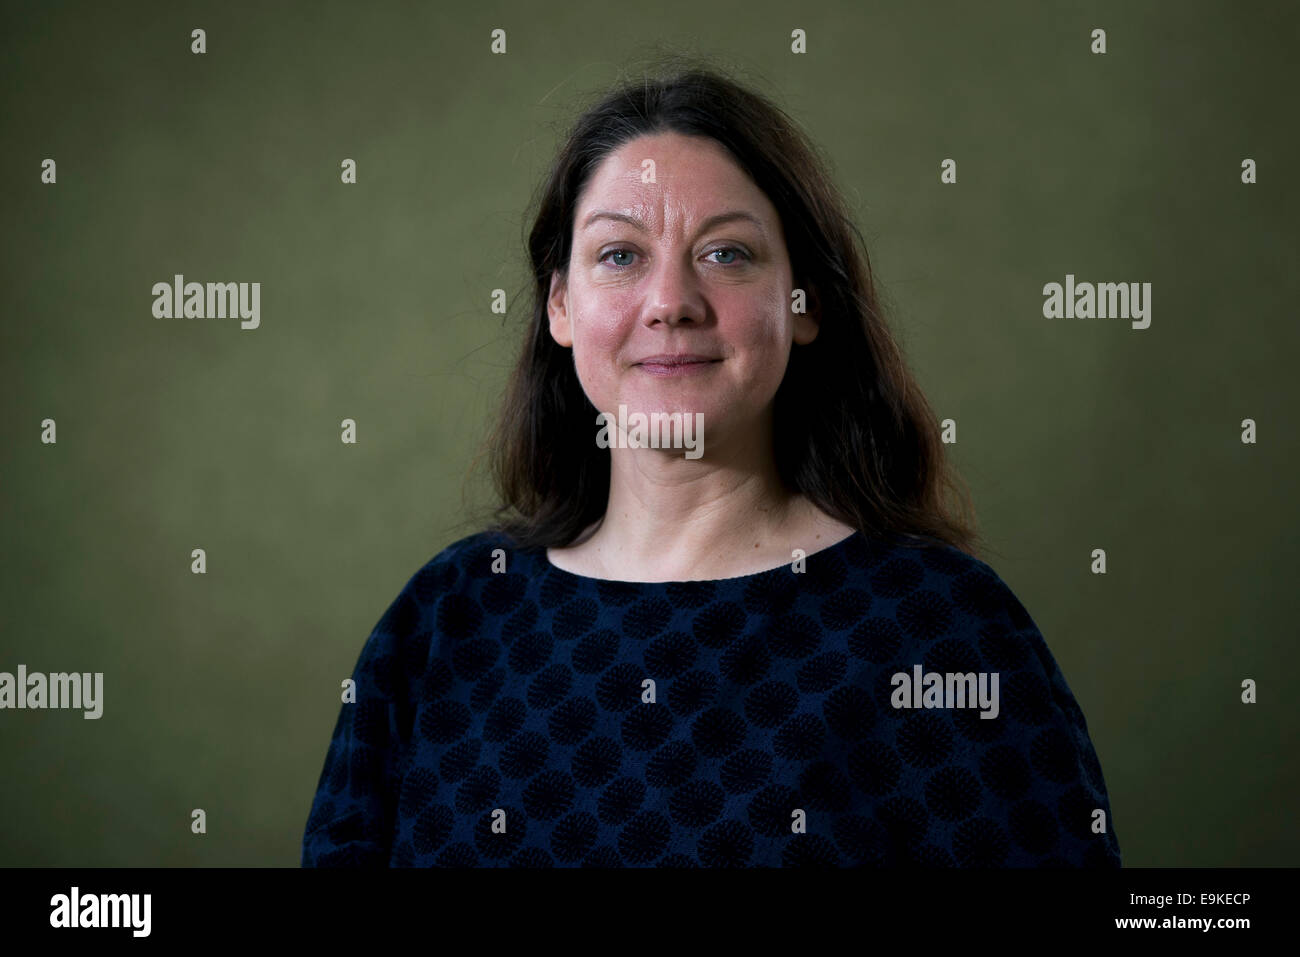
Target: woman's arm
[1042,800]
[353,813]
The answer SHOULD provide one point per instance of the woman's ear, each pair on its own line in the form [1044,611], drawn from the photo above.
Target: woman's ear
[807,323]
[557,308]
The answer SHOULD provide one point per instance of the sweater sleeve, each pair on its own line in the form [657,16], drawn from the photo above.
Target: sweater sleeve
[1048,805]
[352,815]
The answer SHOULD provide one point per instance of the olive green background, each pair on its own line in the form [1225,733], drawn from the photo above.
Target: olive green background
[221,690]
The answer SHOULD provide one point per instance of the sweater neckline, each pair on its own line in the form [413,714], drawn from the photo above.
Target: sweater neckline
[833,548]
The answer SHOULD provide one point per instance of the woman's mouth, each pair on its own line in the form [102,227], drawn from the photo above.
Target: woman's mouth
[677,365]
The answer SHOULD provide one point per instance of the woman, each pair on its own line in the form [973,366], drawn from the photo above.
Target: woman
[764,641]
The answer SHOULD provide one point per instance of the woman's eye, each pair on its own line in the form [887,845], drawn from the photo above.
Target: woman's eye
[733,250]
[617,252]
[730,250]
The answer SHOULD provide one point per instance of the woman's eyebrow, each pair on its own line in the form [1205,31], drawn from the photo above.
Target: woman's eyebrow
[715,220]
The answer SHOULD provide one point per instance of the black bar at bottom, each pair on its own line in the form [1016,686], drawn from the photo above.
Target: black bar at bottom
[467,909]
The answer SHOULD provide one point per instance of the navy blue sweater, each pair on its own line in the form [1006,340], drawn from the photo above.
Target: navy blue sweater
[511,713]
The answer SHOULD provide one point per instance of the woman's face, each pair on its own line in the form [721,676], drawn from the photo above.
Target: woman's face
[676,283]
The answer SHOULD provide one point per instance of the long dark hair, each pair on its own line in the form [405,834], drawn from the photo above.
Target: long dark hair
[853,431]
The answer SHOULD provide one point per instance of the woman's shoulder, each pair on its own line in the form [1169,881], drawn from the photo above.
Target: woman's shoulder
[900,564]
[951,610]
[926,593]
[473,551]
[455,568]
[969,583]
[439,599]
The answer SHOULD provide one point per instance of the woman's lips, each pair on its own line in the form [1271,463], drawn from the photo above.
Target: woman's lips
[677,367]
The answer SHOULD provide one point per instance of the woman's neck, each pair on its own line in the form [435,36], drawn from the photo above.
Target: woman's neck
[732,528]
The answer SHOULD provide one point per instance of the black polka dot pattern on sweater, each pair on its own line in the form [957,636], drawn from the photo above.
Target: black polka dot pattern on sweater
[536,718]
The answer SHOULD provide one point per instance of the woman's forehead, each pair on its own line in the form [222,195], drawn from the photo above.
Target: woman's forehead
[692,199]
